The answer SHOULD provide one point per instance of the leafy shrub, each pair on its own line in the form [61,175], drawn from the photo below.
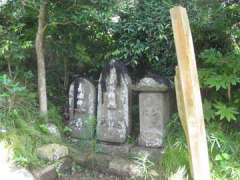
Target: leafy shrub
[175,149]
[219,76]
[143,36]
[21,124]
[223,151]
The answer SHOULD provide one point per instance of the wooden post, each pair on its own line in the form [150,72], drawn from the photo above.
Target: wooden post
[188,95]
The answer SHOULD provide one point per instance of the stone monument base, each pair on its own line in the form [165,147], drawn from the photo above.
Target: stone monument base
[122,160]
[129,151]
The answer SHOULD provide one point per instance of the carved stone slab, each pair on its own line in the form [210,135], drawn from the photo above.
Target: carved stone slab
[82,101]
[113,114]
[154,111]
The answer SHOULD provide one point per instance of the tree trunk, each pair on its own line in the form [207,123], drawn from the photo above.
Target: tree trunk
[40,58]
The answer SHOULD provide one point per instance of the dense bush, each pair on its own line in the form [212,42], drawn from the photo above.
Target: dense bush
[20,123]
[144,37]
[223,151]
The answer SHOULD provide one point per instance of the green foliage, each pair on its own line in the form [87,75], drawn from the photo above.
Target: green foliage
[221,71]
[89,128]
[146,166]
[224,112]
[175,152]
[219,77]
[24,128]
[143,36]
[180,174]
[223,151]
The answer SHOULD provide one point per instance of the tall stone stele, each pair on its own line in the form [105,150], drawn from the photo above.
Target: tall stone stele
[82,102]
[154,110]
[114,103]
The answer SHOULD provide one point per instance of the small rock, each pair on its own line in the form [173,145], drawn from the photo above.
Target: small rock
[124,167]
[64,166]
[53,129]
[52,152]
[47,173]
[135,170]
[154,173]
[101,161]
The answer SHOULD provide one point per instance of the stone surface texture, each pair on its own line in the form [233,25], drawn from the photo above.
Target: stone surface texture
[130,166]
[52,152]
[64,166]
[53,129]
[114,149]
[82,102]
[150,84]
[154,111]
[92,175]
[113,114]
[46,173]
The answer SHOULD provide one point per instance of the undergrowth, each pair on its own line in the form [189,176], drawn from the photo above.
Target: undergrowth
[222,145]
[175,149]
[21,125]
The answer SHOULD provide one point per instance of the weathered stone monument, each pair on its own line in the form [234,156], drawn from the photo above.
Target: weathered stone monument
[82,101]
[113,114]
[154,110]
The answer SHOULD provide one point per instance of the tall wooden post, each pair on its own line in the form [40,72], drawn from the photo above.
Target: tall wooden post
[188,95]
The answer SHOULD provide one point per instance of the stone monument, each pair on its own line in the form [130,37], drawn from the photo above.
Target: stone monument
[154,110]
[82,101]
[114,103]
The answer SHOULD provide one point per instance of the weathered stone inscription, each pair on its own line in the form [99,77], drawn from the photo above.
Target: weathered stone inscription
[154,111]
[82,100]
[113,115]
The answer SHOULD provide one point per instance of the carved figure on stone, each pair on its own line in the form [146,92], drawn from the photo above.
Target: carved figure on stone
[82,102]
[80,98]
[114,101]
[112,91]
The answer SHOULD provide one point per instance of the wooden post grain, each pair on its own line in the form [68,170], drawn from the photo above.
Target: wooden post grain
[188,95]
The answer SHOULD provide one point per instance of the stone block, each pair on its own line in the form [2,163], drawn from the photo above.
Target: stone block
[82,102]
[125,167]
[154,111]
[53,130]
[47,173]
[52,152]
[114,149]
[119,166]
[114,103]
[64,166]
